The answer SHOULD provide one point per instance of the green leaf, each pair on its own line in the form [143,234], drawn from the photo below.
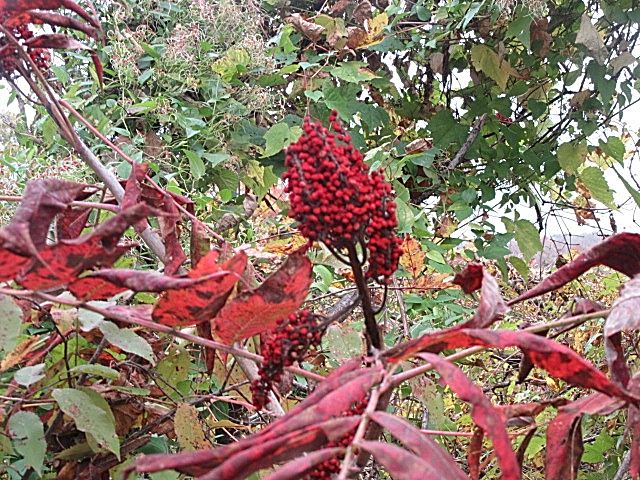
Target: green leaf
[196,165]
[571,155]
[406,217]
[11,317]
[27,433]
[520,265]
[280,136]
[89,416]
[528,238]
[234,62]
[594,180]
[486,60]
[353,72]
[315,95]
[95,370]
[127,340]
[172,370]
[29,375]
[520,28]
[613,148]
[342,99]
[215,158]
[632,191]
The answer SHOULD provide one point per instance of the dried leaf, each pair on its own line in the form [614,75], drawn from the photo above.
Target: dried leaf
[311,30]
[189,432]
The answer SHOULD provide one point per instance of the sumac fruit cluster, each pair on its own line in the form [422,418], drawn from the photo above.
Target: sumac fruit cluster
[288,343]
[338,201]
[9,55]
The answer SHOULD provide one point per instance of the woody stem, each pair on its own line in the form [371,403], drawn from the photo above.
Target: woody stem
[374,340]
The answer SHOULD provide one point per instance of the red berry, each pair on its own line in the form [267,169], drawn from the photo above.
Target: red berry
[337,200]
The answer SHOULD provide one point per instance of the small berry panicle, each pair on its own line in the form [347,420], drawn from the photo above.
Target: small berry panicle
[326,469]
[287,344]
[338,201]
[9,56]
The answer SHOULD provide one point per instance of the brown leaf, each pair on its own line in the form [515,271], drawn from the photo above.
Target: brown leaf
[311,30]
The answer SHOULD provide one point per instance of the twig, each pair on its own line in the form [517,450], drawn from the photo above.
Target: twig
[473,134]
[100,206]
[372,405]
[624,466]
[403,311]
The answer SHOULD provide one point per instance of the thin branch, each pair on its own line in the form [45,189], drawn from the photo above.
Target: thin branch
[473,134]
[100,206]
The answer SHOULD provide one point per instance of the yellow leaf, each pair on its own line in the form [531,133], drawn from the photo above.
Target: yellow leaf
[375,30]
[491,64]
[189,429]
[286,245]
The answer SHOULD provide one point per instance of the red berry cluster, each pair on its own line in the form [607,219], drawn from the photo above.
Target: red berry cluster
[338,201]
[9,59]
[287,344]
[326,469]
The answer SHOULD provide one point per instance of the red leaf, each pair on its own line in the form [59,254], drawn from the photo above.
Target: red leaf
[132,192]
[557,359]
[620,252]
[625,312]
[633,427]
[169,230]
[492,306]
[71,222]
[93,288]
[470,279]
[299,467]
[327,404]
[199,303]
[259,310]
[420,444]
[400,464]
[11,264]
[139,281]
[42,200]
[564,434]
[624,316]
[581,306]
[12,8]
[482,411]
[61,263]
[286,447]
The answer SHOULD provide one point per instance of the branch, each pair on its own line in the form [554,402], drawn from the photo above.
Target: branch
[473,134]
[374,340]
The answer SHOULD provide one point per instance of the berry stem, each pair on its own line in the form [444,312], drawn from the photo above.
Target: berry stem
[374,340]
